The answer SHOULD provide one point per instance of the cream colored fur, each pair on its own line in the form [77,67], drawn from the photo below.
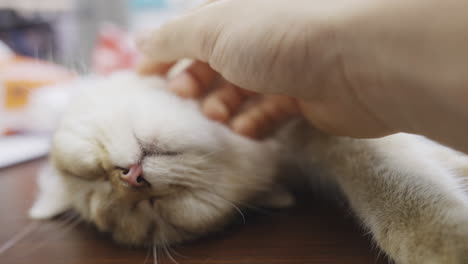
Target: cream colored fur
[408,191]
[199,172]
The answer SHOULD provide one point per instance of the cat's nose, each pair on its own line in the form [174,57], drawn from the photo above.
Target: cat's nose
[134,176]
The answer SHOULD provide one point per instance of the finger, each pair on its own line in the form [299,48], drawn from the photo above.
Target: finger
[147,67]
[205,3]
[151,66]
[265,117]
[194,81]
[192,35]
[224,102]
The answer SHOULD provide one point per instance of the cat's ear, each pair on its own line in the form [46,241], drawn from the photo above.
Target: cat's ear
[276,197]
[52,198]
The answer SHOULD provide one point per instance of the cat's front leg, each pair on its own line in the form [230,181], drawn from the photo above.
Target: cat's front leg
[414,206]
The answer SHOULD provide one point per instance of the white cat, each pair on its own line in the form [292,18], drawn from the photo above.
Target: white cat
[149,168]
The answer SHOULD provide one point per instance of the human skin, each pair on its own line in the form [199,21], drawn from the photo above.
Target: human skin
[358,68]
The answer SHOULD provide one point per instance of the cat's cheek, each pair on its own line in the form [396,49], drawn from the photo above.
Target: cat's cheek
[199,213]
[99,217]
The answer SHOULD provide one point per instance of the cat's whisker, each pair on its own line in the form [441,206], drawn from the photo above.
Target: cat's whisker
[204,158]
[28,229]
[195,182]
[245,205]
[182,183]
[173,250]
[230,186]
[233,205]
[168,254]
[67,218]
[256,209]
[155,255]
[147,254]
[67,227]
[184,174]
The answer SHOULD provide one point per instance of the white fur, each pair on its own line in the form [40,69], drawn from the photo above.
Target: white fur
[199,171]
[50,200]
[408,191]
[405,189]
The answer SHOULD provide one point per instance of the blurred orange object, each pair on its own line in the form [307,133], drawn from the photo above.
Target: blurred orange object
[18,77]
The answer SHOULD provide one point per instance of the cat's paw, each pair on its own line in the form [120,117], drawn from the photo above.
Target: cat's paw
[434,242]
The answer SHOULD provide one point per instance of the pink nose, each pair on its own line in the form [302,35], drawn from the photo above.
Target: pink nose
[134,176]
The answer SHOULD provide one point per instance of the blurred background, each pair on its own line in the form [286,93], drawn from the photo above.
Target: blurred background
[51,48]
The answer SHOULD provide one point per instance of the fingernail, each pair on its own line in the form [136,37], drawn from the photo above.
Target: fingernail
[182,85]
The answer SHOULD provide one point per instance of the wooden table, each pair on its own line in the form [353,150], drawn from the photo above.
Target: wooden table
[312,232]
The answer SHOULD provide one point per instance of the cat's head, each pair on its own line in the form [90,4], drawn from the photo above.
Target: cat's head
[149,168]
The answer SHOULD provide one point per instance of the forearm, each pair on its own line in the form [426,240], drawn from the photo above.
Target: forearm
[408,61]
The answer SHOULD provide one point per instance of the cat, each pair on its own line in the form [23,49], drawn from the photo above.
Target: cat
[150,169]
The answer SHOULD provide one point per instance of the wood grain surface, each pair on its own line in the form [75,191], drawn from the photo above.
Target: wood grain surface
[314,231]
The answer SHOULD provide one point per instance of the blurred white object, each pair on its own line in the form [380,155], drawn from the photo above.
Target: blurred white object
[48,103]
[41,117]
[34,5]
[45,108]
[5,52]
[16,149]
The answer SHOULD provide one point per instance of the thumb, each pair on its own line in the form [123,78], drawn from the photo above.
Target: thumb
[192,35]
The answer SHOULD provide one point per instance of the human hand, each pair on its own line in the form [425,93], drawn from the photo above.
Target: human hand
[287,56]
[247,113]
[358,68]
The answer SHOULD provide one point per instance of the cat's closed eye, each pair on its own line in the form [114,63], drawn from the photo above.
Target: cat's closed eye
[152,149]
[167,153]
[156,151]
